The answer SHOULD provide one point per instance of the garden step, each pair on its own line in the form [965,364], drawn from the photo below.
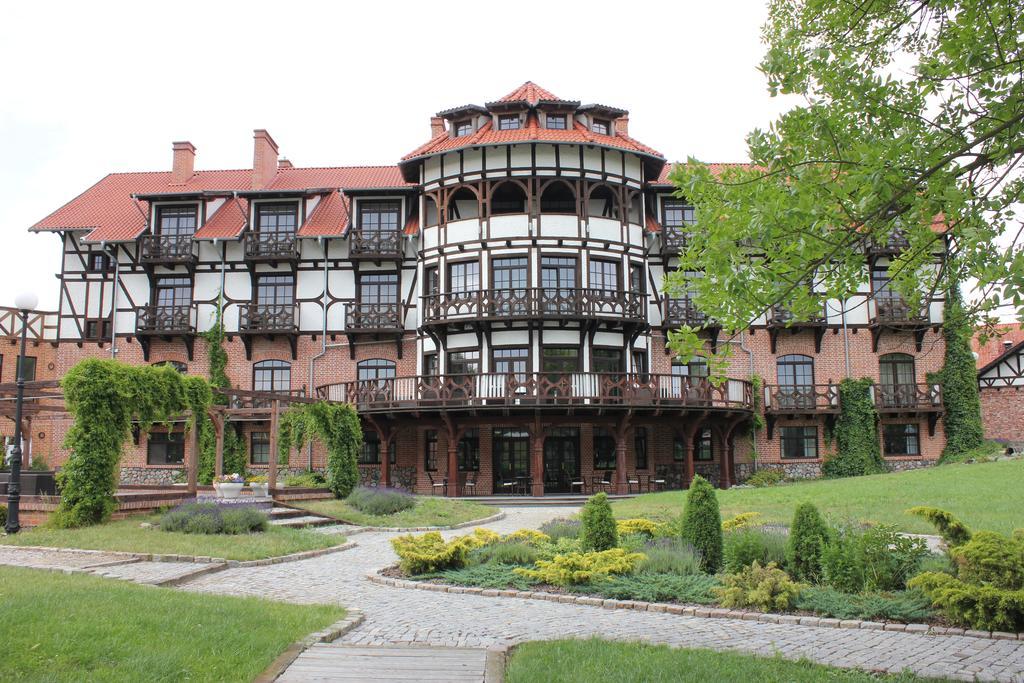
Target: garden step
[388,663]
[284,513]
[305,520]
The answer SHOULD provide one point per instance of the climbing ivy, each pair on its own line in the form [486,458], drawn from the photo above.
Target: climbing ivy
[235,459]
[337,426]
[103,397]
[757,387]
[959,380]
[856,432]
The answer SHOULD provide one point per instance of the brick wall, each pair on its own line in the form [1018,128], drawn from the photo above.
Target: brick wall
[1002,414]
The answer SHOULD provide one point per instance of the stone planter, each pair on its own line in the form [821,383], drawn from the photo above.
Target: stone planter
[229,490]
[261,490]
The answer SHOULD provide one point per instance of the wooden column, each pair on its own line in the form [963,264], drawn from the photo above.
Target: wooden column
[537,464]
[453,466]
[621,485]
[193,459]
[272,473]
[385,457]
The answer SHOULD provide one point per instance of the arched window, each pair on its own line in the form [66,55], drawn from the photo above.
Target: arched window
[508,197]
[795,375]
[603,202]
[897,379]
[558,197]
[176,364]
[272,375]
[375,369]
[463,204]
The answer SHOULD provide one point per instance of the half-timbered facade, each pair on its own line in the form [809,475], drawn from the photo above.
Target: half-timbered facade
[1001,383]
[492,304]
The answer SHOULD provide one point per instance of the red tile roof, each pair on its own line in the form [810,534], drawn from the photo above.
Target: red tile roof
[412,226]
[226,223]
[109,213]
[996,346]
[529,92]
[328,219]
[716,168]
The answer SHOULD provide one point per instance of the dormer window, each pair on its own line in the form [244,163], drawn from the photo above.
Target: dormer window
[177,221]
[508,122]
[463,128]
[600,126]
[556,121]
[279,219]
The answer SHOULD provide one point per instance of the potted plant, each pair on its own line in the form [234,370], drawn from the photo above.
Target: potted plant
[229,485]
[260,486]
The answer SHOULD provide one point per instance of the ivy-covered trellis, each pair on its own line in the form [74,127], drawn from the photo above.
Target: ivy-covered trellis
[856,433]
[337,426]
[104,397]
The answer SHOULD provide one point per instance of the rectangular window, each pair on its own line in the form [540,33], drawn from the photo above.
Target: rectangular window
[606,360]
[604,450]
[97,329]
[469,451]
[369,454]
[702,446]
[600,126]
[640,364]
[430,450]
[640,447]
[173,292]
[901,439]
[165,448]
[30,368]
[511,361]
[678,450]
[378,289]
[275,291]
[677,214]
[97,262]
[463,128]
[508,122]
[464,362]
[379,217]
[560,359]
[279,219]
[430,367]
[604,275]
[177,221]
[433,282]
[637,282]
[259,448]
[556,121]
[272,375]
[463,276]
[799,442]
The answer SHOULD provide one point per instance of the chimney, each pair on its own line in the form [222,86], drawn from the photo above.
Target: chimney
[622,125]
[264,159]
[436,126]
[284,163]
[183,167]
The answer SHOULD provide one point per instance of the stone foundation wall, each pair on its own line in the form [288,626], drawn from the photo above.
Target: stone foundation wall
[151,476]
[812,470]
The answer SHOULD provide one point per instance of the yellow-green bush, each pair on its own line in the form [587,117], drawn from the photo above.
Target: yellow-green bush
[479,537]
[527,536]
[429,552]
[572,568]
[765,588]
[641,526]
[740,521]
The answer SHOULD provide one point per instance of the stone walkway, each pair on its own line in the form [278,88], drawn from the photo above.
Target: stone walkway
[402,616]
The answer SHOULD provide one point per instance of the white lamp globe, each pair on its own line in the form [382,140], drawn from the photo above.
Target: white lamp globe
[26,301]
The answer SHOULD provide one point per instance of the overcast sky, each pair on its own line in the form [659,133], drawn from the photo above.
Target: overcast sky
[91,88]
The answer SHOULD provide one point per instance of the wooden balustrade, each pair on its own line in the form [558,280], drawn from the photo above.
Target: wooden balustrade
[271,246]
[361,317]
[801,398]
[533,303]
[908,397]
[267,318]
[180,319]
[682,311]
[892,309]
[375,244]
[167,249]
[40,325]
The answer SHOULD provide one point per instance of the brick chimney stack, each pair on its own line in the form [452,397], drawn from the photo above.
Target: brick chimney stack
[184,164]
[284,163]
[436,126]
[264,159]
[622,125]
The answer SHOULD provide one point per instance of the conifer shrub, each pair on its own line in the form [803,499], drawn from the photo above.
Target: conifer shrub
[808,537]
[702,524]
[3,516]
[644,527]
[598,530]
[953,531]
[765,588]
[741,521]
[576,568]
[530,537]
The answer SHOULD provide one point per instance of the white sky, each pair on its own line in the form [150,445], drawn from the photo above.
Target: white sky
[90,88]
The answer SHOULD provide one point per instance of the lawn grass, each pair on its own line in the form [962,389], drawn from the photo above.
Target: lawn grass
[984,495]
[599,661]
[76,628]
[429,511]
[127,535]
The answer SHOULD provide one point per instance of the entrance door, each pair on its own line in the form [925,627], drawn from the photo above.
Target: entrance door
[561,459]
[511,460]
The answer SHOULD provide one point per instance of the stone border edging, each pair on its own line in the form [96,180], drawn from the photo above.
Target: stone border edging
[353,618]
[197,559]
[705,612]
[410,529]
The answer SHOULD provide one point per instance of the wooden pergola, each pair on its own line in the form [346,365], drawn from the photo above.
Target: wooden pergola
[46,399]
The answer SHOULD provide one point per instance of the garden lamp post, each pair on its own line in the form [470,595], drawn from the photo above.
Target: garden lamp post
[24,302]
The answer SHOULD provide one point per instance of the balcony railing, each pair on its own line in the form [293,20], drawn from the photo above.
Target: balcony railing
[167,249]
[533,303]
[890,309]
[166,319]
[908,397]
[375,244]
[374,317]
[801,398]
[683,312]
[41,325]
[267,318]
[674,240]
[780,316]
[895,243]
[271,246]
[505,391]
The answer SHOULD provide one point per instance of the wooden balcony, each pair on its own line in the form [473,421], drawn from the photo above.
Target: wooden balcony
[375,245]
[912,400]
[507,305]
[168,250]
[374,318]
[271,247]
[895,244]
[270,320]
[888,311]
[531,392]
[167,322]
[673,241]
[781,400]
[679,312]
[40,325]
[780,318]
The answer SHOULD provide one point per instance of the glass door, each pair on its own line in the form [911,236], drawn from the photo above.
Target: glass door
[509,290]
[558,282]
[511,461]
[561,459]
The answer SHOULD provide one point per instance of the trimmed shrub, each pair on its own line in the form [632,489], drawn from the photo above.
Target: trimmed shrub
[561,528]
[766,477]
[808,537]
[744,547]
[641,526]
[527,536]
[598,531]
[990,558]
[695,588]
[906,606]
[504,553]
[547,551]
[765,588]
[670,556]
[876,559]
[575,568]
[380,501]
[210,518]
[740,521]
[702,524]
[306,480]
[429,553]
[986,608]
[953,531]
